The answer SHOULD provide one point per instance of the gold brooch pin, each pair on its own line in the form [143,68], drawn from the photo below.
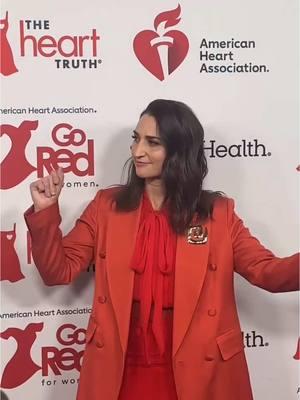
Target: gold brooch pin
[197,234]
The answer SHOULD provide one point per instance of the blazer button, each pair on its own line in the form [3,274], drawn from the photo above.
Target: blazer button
[213,267]
[212,312]
[102,255]
[99,345]
[209,357]
[102,299]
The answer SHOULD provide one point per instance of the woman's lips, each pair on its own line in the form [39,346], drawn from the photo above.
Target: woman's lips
[141,164]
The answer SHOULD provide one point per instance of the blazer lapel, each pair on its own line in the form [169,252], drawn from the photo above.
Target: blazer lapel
[190,269]
[121,238]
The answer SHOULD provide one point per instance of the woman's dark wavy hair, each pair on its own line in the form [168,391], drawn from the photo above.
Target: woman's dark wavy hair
[184,169]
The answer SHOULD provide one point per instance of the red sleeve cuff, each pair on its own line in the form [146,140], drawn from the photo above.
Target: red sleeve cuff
[42,218]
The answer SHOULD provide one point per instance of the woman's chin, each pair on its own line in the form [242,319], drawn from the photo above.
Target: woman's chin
[142,175]
[149,178]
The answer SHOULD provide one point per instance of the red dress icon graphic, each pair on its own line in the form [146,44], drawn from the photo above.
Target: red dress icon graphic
[15,167]
[7,64]
[163,50]
[10,264]
[20,367]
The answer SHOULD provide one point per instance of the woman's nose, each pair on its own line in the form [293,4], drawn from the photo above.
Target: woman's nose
[138,149]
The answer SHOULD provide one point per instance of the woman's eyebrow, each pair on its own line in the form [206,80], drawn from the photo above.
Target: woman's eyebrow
[147,136]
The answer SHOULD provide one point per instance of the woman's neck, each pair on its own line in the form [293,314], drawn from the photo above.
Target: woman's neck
[156,192]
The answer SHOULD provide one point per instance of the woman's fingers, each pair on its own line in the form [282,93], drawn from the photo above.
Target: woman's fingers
[49,186]
[52,186]
[57,177]
[46,182]
[60,174]
[37,186]
[45,191]
[53,182]
[40,186]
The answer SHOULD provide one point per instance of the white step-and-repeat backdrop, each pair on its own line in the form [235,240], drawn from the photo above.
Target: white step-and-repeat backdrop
[75,77]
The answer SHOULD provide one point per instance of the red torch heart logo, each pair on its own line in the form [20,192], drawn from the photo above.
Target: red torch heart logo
[163,50]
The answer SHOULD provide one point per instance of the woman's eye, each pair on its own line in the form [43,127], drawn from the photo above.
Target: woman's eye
[153,143]
[134,138]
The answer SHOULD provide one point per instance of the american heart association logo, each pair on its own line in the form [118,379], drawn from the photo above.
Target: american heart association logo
[163,50]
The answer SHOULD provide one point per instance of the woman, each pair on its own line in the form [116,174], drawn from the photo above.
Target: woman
[164,323]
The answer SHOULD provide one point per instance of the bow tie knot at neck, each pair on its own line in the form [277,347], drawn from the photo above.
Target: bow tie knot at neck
[154,243]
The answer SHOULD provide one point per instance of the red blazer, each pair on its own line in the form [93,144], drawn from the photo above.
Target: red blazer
[208,351]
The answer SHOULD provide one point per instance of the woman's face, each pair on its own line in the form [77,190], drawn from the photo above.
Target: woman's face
[147,151]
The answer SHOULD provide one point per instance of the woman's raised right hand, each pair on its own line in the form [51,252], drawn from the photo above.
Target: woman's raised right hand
[45,191]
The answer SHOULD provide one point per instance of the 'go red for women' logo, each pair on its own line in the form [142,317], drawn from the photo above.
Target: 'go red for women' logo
[163,50]
[53,360]
[16,168]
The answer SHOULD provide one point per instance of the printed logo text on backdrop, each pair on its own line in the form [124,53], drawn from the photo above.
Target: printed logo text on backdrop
[67,51]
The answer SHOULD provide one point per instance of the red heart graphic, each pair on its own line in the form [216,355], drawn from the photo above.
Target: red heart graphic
[148,54]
